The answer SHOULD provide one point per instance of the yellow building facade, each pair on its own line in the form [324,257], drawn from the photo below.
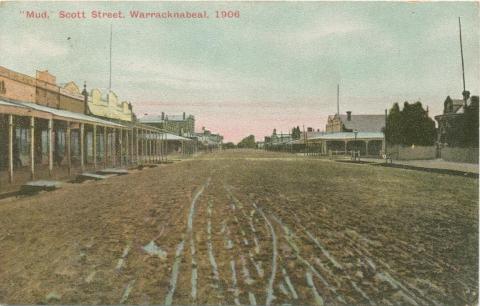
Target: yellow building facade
[107,105]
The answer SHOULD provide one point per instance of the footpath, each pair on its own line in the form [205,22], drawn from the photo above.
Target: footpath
[433,164]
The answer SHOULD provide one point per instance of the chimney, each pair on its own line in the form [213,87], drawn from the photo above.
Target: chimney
[349,115]
[466,95]
[163,116]
[183,115]
[85,98]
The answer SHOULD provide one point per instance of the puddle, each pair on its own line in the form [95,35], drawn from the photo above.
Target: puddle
[154,250]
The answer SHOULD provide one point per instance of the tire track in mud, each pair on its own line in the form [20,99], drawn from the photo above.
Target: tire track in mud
[236,291]
[312,269]
[405,292]
[407,295]
[291,293]
[285,285]
[180,248]
[330,271]
[289,236]
[270,288]
[230,247]
[246,252]
[211,256]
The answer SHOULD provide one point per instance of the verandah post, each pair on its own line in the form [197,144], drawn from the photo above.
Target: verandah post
[114,153]
[136,146]
[10,148]
[50,147]
[105,146]
[32,147]
[82,149]
[69,155]
[94,146]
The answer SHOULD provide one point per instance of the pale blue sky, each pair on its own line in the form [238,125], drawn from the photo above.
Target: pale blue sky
[274,67]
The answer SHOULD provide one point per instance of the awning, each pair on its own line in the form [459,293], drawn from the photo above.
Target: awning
[168,136]
[349,136]
[341,136]
[176,137]
[7,107]
[31,109]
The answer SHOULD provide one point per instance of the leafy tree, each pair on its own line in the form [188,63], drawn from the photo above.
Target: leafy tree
[471,124]
[247,142]
[409,126]
[229,145]
[296,133]
[393,130]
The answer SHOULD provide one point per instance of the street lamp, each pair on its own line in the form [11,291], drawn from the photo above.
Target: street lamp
[355,132]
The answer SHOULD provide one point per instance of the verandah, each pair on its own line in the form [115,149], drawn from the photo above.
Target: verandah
[37,144]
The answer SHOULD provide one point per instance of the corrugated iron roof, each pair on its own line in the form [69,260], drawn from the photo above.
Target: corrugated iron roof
[343,136]
[158,118]
[364,123]
[151,119]
[60,113]
[168,136]
[350,136]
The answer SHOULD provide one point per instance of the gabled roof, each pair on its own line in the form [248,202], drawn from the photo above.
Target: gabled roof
[151,119]
[364,123]
[158,118]
[176,117]
[457,105]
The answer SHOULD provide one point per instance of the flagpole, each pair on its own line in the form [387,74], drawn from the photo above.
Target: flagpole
[338,99]
[110,76]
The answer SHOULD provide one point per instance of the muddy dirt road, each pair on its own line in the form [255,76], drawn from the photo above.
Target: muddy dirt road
[246,228]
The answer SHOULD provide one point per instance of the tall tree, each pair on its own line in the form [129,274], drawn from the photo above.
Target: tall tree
[229,145]
[410,126]
[393,130]
[295,132]
[471,124]
[247,142]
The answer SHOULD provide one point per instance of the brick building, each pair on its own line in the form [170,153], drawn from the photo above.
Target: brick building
[452,127]
[182,125]
[348,123]
[47,131]
[41,90]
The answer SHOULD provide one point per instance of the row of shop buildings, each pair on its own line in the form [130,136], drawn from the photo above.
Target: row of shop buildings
[184,126]
[54,130]
[345,133]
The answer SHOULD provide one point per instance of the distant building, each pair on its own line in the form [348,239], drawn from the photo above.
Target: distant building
[41,89]
[106,104]
[451,124]
[182,125]
[207,139]
[346,133]
[348,123]
[280,138]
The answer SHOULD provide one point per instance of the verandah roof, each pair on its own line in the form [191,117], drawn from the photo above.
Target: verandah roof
[169,136]
[342,136]
[22,108]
